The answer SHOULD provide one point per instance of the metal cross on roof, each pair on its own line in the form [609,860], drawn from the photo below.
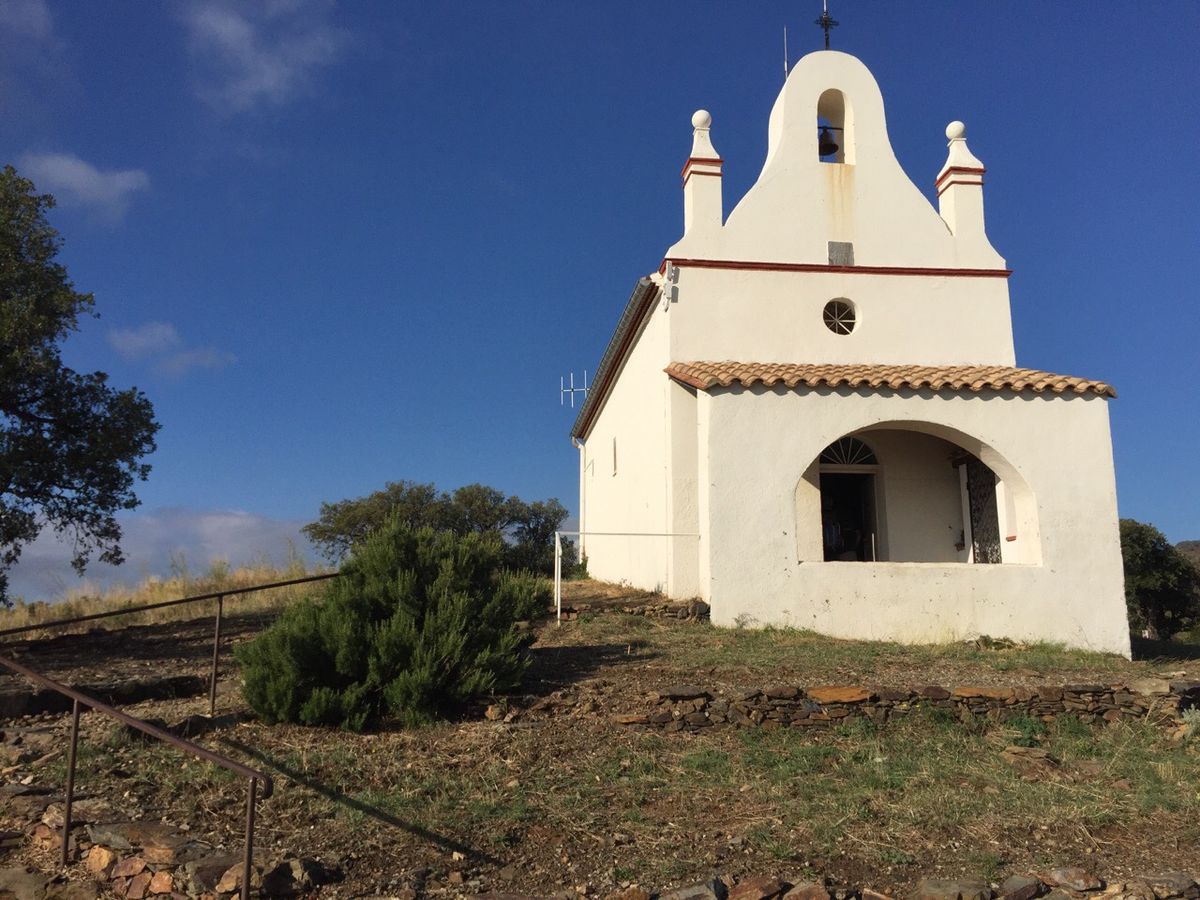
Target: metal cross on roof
[826,21]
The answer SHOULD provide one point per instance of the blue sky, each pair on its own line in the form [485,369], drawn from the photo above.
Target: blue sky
[344,244]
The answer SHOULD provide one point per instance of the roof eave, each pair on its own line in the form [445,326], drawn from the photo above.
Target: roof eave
[640,302]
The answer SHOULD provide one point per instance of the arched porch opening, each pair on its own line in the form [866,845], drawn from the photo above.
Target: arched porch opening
[914,492]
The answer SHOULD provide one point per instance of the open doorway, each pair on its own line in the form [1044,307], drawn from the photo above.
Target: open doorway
[848,516]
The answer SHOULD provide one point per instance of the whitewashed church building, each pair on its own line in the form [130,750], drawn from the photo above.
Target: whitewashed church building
[810,415]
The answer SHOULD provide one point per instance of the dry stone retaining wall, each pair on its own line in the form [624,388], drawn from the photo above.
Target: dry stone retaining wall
[692,708]
[686,610]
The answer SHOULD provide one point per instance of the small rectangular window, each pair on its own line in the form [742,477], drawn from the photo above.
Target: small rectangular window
[614,456]
[841,253]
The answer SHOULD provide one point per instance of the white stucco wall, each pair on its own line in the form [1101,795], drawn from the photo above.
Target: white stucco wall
[757,444]
[776,317]
[634,498]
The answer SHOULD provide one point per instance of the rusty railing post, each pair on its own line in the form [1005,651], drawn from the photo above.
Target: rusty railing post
[66,842]
[212,688]
[248,863]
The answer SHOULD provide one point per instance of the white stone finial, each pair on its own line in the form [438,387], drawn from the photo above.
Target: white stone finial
[960,155]
[702,206]
[959,188]
[702,147]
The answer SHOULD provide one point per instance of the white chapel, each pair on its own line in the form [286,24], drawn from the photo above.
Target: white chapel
[811,414]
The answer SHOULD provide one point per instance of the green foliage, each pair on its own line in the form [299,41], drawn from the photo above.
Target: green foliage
[1030,730]
[526,529]
[70,445]
[1162,587]
[420,622]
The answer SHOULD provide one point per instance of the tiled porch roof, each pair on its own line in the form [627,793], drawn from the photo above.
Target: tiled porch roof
[707,375]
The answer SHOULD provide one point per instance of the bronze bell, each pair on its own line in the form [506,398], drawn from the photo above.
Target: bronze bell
[826,146]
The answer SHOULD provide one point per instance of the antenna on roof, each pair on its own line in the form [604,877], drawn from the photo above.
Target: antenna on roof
[565,390]
[785,55]
[826,22]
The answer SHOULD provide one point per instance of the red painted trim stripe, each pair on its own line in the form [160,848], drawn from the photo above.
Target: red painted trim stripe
[959,170]
[753,266]
[949,184]
[705,160]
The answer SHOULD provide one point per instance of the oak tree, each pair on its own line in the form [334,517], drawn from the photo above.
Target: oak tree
[71,445]
[1162,587]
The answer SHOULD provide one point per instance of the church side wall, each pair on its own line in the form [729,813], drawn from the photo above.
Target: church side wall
[758,443]
[630,496]
[777,317]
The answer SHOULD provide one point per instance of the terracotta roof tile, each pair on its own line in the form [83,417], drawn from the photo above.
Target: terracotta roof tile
[706,375]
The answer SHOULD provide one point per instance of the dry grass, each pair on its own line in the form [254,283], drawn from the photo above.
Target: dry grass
[580,799]
[736,657]
[219,577]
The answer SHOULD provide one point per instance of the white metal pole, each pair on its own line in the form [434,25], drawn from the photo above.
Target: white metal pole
[558,576]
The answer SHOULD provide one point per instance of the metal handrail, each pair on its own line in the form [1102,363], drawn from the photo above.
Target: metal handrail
[219,596]
[254,776]
[124,611]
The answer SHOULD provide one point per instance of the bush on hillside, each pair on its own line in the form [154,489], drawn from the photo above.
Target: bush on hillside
[420,622]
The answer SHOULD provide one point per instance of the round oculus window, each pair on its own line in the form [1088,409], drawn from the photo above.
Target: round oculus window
[839,316]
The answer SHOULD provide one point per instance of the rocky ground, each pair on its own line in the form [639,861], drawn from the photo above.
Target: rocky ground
[546,792]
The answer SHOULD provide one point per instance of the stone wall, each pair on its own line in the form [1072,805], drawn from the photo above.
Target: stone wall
[691,708]
[653,607]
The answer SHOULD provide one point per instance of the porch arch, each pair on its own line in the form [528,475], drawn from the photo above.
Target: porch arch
[916,502]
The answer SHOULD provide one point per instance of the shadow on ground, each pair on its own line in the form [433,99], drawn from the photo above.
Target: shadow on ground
[1146,649]
[110,652]
[555,668]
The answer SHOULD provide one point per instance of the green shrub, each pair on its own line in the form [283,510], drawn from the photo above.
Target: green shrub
[420,622]
[1029,730]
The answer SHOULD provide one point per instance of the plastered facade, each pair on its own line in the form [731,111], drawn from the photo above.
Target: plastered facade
[734,471]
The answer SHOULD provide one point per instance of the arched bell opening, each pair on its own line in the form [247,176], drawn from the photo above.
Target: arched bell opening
[914,492]
[835,128]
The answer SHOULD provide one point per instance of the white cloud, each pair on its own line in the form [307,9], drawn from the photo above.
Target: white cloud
[152,542]
[160,343]
[150,339]
[265,54]
[27,19]
[199,358]
[74,180]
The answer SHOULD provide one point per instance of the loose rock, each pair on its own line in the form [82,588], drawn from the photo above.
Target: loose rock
[706,890]
[761,888]
[22,884]
[1020,887]
[949,889]
[1074,878]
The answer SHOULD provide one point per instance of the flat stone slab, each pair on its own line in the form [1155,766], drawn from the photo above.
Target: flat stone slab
[968,692]
[831,694]
[681,692]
